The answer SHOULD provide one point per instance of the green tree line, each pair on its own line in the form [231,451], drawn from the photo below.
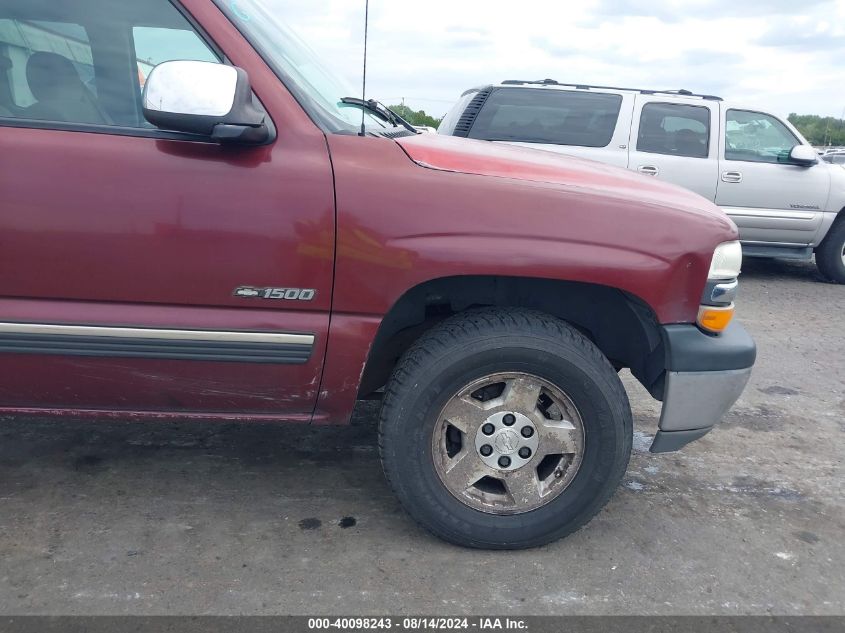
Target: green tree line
[820,130]
[415,117]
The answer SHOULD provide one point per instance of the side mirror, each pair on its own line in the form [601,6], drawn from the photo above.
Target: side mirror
[803,155]
[214,100]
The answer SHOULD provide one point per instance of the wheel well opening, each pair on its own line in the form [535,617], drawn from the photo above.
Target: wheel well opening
[622,326]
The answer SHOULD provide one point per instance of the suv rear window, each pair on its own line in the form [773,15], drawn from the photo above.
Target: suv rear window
[674,129]
[559,117]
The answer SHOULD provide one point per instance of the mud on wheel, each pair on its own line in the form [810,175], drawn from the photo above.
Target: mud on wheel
[504,428]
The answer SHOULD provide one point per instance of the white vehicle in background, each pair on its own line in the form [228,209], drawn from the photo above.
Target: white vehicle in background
[786,201]
[835,157]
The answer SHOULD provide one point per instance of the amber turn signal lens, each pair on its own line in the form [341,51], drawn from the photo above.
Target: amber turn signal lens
[714,319]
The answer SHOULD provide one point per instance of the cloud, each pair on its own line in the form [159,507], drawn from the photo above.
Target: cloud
[779,55]
[797,35]
[557,50]
[467,30]
[698,57]
[675,11]
[468,42]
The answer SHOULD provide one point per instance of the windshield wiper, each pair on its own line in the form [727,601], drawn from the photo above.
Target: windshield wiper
[381,110]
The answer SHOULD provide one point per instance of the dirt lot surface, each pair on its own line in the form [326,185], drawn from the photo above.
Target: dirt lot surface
[119,518]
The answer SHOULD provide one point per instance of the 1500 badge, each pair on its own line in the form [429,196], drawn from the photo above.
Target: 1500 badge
[284,294]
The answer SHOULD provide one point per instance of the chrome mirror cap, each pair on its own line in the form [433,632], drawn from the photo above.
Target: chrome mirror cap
[191,88]
[208,99]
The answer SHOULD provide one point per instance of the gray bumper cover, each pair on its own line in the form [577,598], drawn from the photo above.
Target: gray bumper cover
[705,376]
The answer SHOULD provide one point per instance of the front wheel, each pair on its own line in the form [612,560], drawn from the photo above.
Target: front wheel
[504,429]
[830,255]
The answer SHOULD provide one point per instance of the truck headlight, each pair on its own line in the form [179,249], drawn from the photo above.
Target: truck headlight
[717,307]
[726,262]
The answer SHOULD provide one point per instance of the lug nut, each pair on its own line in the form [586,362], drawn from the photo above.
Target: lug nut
[527,431]
[508,420]
[486,450]
[525,452]
[504,461]
[488,429]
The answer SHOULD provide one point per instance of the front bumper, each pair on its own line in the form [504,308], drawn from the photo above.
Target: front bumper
[705,375]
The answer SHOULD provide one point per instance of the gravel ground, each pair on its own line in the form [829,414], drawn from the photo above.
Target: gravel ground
[161,518]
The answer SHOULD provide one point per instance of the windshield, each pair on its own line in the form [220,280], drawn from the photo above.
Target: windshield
[317,89]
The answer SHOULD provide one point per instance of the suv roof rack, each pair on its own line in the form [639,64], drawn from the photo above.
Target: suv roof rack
[552,82]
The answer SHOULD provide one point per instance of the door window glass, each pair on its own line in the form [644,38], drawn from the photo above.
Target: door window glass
[560,117]
[757,137]
[674,129]
[154,45]
[85,62]
[39,58]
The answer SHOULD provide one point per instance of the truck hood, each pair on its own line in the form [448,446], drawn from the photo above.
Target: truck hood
[483,158]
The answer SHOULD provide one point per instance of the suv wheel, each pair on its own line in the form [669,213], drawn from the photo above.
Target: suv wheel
[830,255]
[504,429]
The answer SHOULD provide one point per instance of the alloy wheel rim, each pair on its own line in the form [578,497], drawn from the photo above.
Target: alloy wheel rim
[508,443]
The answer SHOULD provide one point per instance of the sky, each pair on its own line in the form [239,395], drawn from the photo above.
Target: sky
[781,55]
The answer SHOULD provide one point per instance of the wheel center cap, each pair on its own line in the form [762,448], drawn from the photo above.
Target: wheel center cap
[506,442]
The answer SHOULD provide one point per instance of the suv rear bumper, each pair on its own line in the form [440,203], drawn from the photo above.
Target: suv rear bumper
[705,375]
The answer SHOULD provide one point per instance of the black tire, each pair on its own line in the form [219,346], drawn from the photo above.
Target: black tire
[829,254]
[475,344]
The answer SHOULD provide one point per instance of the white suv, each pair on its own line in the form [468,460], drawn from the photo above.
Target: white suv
[786,201]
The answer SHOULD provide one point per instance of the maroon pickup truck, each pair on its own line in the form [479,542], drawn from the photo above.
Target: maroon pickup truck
[197,223]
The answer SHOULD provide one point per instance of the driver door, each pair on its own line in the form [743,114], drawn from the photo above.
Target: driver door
[770,201]
[142,270]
